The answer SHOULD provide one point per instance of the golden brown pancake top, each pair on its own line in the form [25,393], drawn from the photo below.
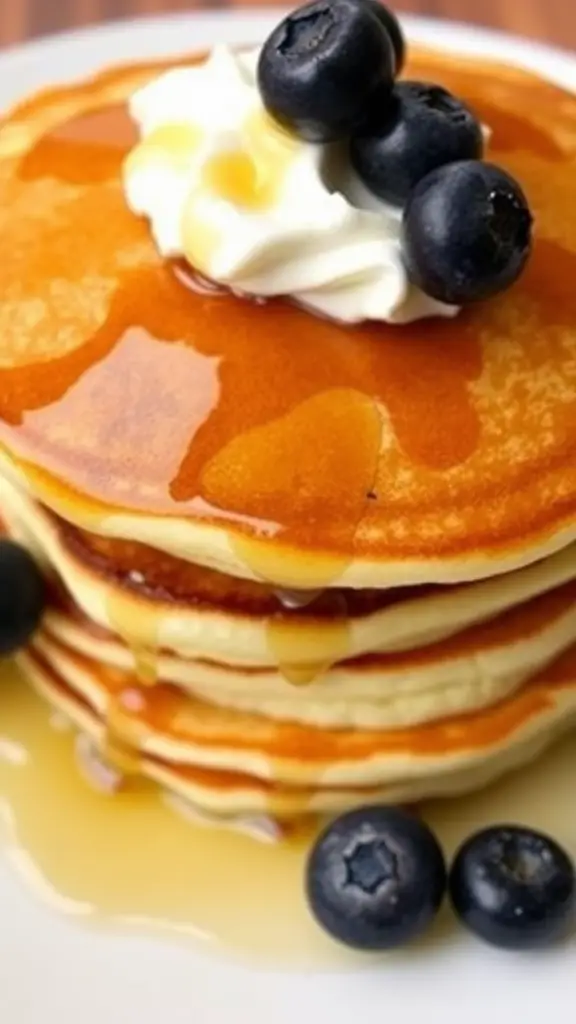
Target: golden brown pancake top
[434,440]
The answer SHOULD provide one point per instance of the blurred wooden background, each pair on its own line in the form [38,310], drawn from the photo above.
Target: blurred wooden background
[552,20]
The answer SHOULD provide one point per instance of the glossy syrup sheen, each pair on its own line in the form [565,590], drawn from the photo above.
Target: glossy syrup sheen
[89,855]
[307,631]
[271,421]
[166,578]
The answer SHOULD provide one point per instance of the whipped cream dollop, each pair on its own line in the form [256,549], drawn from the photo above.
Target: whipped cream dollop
[254,208]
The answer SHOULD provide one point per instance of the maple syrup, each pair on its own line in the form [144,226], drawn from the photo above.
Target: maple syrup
[138,627]
[303,653]
[88,149]
[202,408]
[130,861]
[221,425]
[122,739]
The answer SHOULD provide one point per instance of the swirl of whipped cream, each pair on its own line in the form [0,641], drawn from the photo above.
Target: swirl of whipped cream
[258,210]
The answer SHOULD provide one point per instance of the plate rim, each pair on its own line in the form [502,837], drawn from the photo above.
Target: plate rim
[445,33]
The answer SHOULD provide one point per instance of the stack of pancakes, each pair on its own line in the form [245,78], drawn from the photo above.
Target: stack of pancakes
[292,565]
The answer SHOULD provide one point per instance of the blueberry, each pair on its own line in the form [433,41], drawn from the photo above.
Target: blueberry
[390,22]
[514,888]
[467,232]
[319,69]
[22,597]
[376,878]
[420,128]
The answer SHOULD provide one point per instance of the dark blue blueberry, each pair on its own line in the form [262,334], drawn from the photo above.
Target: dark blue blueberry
[467,232]
[514,888]
[22,597]
[421,127]
[321,66]
[390,22]
[376,878]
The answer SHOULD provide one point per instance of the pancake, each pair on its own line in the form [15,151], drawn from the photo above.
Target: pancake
[135,618]
[256,439]
[152,599]
[477,668]
[237,764]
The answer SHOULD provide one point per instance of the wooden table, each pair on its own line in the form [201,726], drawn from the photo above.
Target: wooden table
[553,20]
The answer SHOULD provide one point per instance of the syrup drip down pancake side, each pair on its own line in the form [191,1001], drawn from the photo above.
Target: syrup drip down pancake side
[152,599]
[232,764]
[256,439]
[478,668]
[172,622]
[406,735]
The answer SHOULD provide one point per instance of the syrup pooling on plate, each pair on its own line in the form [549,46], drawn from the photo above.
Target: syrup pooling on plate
[83,852]
[81,855]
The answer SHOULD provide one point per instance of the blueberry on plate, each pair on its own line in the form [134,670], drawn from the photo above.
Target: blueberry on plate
[422,127]
[320,67]
[22,597]
[467,232]
[514,888]
[390,22]
[376,878]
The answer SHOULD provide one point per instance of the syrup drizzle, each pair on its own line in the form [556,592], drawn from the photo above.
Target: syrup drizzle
[230,334]
[84,849]
[438,429]
[122,739]
[137,624]
[305,652]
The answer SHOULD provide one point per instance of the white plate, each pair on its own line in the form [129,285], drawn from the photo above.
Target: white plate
[50,969]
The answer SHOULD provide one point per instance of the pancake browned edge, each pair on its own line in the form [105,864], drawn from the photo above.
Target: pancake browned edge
[367,457]
[189,736]
[423,560]
[229,764]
